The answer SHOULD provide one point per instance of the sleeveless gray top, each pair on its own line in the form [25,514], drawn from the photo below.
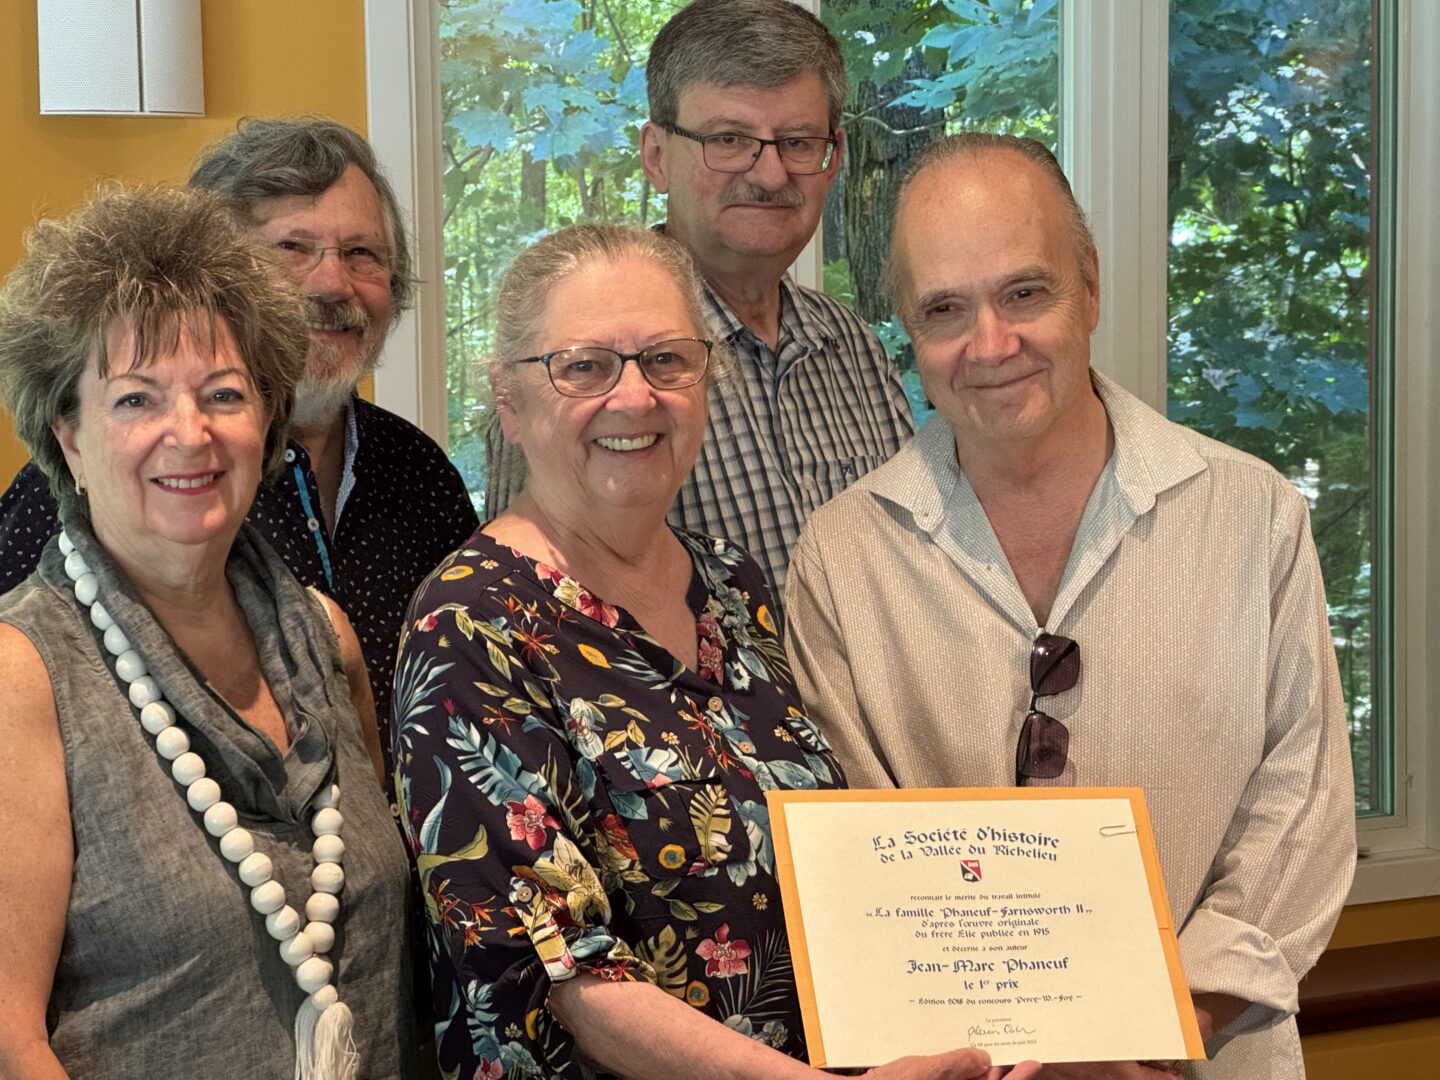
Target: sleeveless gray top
[165,971]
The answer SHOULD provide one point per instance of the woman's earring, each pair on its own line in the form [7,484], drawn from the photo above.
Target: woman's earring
[79,486]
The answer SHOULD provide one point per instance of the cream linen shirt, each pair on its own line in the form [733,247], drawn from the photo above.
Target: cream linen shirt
[1209,679]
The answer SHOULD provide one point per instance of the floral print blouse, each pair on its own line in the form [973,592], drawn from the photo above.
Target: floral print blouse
[578,800]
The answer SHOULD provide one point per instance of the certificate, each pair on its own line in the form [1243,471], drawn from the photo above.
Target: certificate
[1030,922]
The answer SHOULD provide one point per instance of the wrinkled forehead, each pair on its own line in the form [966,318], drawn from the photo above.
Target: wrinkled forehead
[601,290]
[137,341]
[622,304]
[996,206]
[350,208]
[795,103]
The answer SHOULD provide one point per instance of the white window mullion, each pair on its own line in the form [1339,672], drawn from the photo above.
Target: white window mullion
[1406,850]
[1418,435]
[1114,72]
[403,83]
[809,267]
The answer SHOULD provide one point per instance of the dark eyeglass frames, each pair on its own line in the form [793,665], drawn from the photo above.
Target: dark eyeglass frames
[802,155]
[590,371]
[1044,744]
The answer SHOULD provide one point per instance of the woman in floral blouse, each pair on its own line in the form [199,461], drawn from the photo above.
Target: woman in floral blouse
[590,706]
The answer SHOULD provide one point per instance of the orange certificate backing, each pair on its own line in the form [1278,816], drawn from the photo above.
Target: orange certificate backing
[1030,922]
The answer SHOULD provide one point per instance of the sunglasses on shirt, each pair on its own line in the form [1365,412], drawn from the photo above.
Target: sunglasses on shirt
[1044,745]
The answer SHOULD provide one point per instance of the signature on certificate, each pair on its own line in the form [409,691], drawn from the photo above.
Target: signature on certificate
[992,1029]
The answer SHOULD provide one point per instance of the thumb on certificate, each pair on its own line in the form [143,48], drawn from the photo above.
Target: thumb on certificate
[966,1064]
[1026,1070]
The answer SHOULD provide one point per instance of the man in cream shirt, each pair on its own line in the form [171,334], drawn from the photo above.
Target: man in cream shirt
[1052,584]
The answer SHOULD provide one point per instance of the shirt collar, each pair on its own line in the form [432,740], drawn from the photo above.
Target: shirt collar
[352,448]
[801,315]
[922,476]
[1151,456]
[721,322]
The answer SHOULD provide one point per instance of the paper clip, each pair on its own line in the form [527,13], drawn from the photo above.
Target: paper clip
[1117,830]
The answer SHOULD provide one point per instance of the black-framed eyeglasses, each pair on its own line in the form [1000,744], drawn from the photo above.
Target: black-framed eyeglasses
[1044,744]
[802,155]
[589,370]
[361,260]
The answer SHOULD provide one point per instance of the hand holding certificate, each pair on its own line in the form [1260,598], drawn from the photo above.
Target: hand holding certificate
[1029,922]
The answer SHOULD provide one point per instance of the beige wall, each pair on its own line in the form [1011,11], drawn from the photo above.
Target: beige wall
[51,162]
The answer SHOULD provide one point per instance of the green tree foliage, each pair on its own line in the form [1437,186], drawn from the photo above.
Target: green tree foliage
[1270,274]
[542,102]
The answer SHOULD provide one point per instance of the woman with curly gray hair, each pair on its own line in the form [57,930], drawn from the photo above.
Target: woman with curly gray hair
[180,715]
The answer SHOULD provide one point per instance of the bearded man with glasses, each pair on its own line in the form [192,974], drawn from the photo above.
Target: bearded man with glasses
[366,502]
[1053,584]
[744,139]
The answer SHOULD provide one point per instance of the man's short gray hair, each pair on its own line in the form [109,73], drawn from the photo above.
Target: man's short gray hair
[304,155]
[761,43]
[973,144]
[150,259]
[525,289]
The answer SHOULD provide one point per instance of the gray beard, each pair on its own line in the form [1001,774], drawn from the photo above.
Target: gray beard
[317,403]
[319,400]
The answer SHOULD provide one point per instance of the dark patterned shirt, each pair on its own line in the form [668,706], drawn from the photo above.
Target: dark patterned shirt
[404,508]
[578,799]
[789,430]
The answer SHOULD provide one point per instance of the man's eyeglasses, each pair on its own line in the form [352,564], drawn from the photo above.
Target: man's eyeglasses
[802,155]
[1044,744]
[589,370]
[360,260]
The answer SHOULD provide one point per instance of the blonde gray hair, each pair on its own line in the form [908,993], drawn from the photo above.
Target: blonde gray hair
[150,259]
[525,288]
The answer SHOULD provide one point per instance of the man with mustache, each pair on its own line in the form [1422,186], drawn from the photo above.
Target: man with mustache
[1053,584]
[367,504]
[744,138]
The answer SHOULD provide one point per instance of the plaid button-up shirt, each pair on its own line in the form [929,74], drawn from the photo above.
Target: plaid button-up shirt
[789,428]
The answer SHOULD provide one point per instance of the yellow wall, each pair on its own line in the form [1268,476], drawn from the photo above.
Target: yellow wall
[317,66]
[1378,924]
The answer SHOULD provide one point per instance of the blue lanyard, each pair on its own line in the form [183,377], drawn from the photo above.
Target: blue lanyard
[319,531]
[352,446]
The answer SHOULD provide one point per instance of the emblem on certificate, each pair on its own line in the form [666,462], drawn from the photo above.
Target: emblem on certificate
[1030,922]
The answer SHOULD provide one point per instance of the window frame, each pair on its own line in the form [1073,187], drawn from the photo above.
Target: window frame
[1113,82]
[402,48]
[1405,849]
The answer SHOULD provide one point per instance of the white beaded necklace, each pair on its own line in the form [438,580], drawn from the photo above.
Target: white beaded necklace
[324,1048]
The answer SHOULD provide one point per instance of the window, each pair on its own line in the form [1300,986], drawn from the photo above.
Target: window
[1119,153]
[1272,270]
[1243,71]
[541,103]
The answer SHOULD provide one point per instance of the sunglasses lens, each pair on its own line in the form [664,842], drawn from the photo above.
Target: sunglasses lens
[1043,748]
[1054,664]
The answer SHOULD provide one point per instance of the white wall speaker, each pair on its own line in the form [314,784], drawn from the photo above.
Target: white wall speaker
[120,57]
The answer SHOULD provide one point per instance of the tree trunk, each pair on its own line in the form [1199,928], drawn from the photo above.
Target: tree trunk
[832,223]
[532,192]
[881,139]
